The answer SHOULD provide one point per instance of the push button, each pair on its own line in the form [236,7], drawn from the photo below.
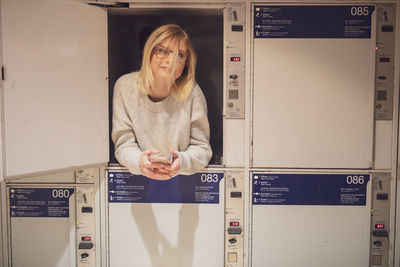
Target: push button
[87,209]
[237,28]
[236,194]
[234,230]
[380,233]
[232,257]
[387,28]
[382,196]
[377,260]
[85,245]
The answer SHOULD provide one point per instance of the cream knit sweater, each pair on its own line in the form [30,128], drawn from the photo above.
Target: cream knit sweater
[139,124]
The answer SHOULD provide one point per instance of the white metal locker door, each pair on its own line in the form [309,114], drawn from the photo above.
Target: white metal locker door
[311,219]
[313,96]
[152,225]
[42,226]
[55,88]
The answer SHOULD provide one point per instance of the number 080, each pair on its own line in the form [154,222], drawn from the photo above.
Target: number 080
[60,193]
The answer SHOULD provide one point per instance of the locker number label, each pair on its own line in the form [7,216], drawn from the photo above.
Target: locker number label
[40,202]
[209,178]
[359,11]
[60,193]
[356,179]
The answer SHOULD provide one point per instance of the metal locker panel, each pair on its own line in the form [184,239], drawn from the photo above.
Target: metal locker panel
[36,239]
[55,88]
[312,236]
[55,245]
[164,234]
[2,235]
[383,145]
[313,101]
[319,225]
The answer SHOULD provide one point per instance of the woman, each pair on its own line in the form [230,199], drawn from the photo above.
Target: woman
[161,110]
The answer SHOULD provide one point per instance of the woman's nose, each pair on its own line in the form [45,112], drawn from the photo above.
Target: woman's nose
[169,57]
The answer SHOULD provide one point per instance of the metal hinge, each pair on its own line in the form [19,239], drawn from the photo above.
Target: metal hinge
[3,73]
[107,4]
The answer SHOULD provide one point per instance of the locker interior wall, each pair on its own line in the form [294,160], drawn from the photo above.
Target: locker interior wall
[128,30]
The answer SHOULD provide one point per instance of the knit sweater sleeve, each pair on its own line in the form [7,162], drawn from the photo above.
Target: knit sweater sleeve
[127,150]
[198,153]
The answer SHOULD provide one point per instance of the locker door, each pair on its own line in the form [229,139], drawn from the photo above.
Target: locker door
[313,86]
[171,223]
[42,226]
[55,88]
[311,219]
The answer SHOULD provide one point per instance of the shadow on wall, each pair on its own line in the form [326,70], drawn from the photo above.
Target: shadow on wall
[167,248]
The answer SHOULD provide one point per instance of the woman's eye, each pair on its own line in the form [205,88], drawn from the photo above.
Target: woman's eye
[164,52]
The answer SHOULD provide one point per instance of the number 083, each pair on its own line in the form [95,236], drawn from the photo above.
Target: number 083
[209,178]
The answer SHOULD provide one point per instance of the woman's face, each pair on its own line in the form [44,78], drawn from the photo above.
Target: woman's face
[161,60]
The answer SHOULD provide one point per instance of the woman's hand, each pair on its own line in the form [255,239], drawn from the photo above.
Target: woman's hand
[176,163]
[154,170]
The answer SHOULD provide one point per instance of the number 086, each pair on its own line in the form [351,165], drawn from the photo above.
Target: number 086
[355,179]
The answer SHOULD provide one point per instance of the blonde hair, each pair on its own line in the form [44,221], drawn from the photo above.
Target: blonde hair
[183,85]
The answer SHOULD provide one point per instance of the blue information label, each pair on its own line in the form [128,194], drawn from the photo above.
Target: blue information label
[39,202]
[124,187]
[310,189]
[313,21]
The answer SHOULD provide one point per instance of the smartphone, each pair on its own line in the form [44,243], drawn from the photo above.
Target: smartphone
[161,158]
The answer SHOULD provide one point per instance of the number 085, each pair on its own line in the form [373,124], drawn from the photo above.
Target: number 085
[359,11]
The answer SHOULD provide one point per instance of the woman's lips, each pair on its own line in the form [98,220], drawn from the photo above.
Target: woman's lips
[166,69]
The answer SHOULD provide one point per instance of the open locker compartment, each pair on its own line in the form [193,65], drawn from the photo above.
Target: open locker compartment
[128,30]
[310,219]
[172,223]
